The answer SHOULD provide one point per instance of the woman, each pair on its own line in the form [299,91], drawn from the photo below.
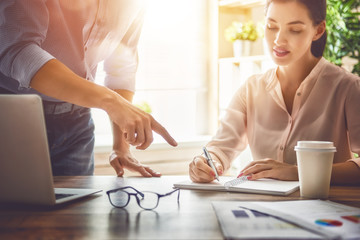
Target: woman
[304,98]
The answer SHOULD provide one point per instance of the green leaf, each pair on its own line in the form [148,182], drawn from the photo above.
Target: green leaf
[343,29]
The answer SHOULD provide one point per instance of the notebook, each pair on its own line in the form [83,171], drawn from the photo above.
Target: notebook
[25,167]
[229,184]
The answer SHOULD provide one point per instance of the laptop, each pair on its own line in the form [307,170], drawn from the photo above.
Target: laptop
[25,167]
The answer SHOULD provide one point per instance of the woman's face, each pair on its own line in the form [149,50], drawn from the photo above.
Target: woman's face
[289,32]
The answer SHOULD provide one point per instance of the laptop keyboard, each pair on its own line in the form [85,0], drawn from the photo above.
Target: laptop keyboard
[60,195]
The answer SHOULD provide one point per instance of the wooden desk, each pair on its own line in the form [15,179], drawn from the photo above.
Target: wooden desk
[95,218]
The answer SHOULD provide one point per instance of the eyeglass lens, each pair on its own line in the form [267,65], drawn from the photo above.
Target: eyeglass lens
[119,198]
[149,201]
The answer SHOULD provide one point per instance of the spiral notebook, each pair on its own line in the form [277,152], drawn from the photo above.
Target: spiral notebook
[242,184]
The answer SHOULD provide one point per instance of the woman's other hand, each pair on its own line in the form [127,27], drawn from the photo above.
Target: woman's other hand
[270,168]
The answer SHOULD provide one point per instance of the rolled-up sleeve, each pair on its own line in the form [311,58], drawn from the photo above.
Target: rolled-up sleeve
[121,68]
[23,27]
[121,65]
[231,139]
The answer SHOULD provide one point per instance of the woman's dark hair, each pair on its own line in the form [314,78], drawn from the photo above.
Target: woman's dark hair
[317,11]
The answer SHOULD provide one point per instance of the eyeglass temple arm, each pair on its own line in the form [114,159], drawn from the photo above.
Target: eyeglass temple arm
[167,194]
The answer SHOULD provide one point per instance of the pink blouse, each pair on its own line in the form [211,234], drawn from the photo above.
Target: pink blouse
[326,108]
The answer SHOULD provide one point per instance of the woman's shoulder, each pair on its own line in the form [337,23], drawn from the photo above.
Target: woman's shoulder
[339,74]
[256,83]
[262,79]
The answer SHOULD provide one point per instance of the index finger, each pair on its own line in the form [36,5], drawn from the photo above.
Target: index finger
[159,129]
[245,169]
[256,166]
[252,163]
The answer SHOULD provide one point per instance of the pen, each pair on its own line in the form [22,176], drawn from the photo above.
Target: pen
[210,162]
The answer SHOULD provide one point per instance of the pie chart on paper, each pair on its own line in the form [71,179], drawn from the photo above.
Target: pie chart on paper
[329,223]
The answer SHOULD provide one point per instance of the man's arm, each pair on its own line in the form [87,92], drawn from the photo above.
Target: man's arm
[121,157]
[56,80]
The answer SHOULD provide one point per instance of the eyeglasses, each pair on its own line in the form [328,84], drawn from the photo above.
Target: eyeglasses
[146,200]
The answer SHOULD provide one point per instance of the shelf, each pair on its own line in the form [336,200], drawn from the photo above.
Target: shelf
[241,3]
[232,72]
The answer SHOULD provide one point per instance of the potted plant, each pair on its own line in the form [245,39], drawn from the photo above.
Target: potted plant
[241,35]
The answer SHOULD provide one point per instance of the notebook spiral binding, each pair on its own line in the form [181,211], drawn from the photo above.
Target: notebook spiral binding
[235,181]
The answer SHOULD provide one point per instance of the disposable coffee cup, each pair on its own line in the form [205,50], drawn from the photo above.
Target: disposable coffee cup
[314,160]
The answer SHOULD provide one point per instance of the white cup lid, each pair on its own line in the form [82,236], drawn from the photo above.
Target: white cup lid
[318,146]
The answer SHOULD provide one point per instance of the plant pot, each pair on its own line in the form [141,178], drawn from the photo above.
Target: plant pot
[241,48]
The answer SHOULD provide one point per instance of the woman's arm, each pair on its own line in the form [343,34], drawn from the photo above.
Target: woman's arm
[346,173]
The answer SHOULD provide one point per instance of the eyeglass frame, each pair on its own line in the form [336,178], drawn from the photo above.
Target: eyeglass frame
[141,194]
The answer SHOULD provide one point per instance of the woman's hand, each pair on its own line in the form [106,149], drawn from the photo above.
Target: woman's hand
[120,160]
[269,168]
[200,171]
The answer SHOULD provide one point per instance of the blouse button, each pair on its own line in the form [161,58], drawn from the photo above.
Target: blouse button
[281,148]
[299,94]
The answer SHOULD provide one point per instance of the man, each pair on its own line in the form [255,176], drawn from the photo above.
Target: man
[52,48]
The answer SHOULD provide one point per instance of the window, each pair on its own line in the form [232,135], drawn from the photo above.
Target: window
[173,70]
